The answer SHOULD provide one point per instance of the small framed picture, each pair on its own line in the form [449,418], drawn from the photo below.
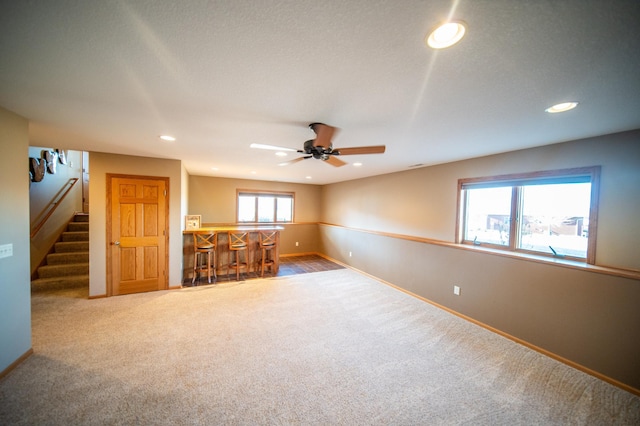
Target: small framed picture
[191,221]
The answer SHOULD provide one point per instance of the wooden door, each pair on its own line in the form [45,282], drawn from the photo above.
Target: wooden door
[138,240]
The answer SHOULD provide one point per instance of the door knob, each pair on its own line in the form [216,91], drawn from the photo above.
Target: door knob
[117,243]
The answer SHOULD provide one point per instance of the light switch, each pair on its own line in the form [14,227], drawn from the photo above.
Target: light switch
[6,250]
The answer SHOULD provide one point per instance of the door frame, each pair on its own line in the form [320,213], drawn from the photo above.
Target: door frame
[85,182]
[110,177]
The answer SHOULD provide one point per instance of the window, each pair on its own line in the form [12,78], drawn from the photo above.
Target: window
[265,207]
[552,213]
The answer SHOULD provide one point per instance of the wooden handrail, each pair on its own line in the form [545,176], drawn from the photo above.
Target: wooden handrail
[53,206]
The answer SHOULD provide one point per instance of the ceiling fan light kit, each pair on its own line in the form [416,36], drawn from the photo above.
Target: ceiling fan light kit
[321,148]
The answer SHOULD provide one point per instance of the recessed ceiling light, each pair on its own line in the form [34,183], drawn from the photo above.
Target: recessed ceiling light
[565,106]
[167,138]
[253,172]
[357,164]
[214,168]
[446,35]
[308,177]
[281,154]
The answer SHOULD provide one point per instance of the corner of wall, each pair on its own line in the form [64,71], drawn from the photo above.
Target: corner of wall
[15,291]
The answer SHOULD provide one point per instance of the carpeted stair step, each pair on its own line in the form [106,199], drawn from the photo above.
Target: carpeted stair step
[68,257]
[56,283]
[78,227]
[68,265]
[75,236]
[81,217]
[49,271]
[67,246]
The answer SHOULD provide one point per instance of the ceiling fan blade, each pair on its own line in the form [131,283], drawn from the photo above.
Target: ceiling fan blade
[334,161]
[295,160]
[377,149]
[271,147]
[324,134]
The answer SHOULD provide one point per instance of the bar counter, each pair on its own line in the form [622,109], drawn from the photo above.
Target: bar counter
[222,249]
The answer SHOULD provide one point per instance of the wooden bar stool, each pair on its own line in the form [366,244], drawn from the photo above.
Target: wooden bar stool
[268,241]
[238,242]
[204,254]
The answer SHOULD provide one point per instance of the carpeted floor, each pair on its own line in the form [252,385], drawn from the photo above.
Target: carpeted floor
[323,348]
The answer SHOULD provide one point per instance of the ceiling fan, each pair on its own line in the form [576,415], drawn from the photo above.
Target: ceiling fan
[321,147]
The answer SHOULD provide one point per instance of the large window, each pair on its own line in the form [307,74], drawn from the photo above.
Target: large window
[552,213]
[265,207]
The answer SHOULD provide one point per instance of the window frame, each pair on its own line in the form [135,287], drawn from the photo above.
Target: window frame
[261,193]
[519,180]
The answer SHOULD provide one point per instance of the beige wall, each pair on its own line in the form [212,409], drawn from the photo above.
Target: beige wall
[215,200]
[101,164]
[15,289]
[422,202]
[589,318]
[184,192]
[43,193]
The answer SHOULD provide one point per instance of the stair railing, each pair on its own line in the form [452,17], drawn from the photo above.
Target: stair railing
[53,205]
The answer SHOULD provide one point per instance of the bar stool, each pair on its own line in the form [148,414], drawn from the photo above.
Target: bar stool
[268,241]
[238,241]
[204,254]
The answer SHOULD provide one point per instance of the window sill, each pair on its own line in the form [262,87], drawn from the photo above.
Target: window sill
[565,263]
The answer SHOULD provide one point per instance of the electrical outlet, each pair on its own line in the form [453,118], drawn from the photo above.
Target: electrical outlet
[297,244]
[349,254]
[6,250]
[456,290]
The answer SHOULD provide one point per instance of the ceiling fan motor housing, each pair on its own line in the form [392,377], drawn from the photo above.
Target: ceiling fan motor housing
[318,152]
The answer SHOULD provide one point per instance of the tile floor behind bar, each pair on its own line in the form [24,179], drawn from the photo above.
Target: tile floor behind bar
[292,265]
[289,265]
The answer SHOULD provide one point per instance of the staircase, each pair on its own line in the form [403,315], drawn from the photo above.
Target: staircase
[68,265]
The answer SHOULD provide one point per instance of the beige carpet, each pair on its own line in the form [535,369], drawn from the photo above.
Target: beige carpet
[322,348]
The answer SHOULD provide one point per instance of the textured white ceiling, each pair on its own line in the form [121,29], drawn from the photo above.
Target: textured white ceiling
[112,76]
